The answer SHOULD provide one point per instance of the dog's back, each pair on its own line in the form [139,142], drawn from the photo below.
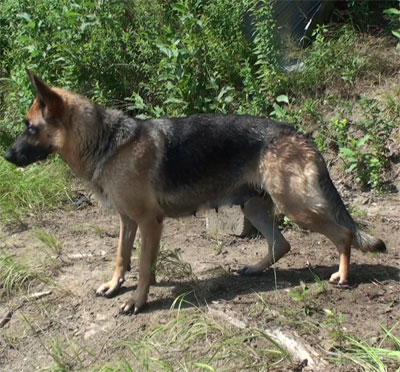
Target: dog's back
[210,160]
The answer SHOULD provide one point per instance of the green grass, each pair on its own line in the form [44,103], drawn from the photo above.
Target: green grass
[17,274]
[50,241]
[171,266]
[31,190]
[193,340]
[332,61]
[66,353]
[382,357]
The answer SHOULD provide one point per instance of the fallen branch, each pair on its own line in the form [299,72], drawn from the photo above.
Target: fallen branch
[6,318]
[293,343]
[78,256]
[34,296]
[37,295]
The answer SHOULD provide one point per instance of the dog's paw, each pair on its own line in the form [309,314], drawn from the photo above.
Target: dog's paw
[250,271]
[342,283]
[108,289]
[131,307]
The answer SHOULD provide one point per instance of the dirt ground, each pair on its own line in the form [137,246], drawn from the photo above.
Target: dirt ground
[72,314]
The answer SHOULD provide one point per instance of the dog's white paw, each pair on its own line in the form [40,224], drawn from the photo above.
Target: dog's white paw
[338,280]
[109,288]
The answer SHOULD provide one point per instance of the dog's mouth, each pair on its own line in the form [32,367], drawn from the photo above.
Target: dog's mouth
[22,156]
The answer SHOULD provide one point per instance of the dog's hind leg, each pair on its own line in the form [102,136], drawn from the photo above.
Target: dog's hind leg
[127,235]
[305,193]
[150,230]
[260,212]
[341,237]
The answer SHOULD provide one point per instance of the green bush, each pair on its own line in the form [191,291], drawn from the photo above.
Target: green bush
[333,60]
[178,57]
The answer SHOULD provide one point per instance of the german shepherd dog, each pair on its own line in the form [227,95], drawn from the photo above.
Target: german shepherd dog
[152,169]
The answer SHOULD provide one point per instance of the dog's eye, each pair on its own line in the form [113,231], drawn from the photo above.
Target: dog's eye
[30,127]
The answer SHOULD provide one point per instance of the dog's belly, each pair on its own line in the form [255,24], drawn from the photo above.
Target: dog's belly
[189,204]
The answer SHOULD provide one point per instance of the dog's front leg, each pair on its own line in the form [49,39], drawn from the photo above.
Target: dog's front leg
[150,231]
[127,234]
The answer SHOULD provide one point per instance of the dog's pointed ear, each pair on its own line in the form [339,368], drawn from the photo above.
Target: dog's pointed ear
[47,97]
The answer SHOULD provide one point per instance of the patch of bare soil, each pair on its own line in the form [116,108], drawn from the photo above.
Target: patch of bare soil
[48,331]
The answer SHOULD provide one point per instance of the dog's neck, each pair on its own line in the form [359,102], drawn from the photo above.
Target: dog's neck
[84,132]
[96,139]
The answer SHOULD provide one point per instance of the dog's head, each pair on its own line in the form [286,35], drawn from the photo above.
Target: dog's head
[44,129]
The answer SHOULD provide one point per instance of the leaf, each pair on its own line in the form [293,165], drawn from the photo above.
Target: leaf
[211,84]
[362,141]
[71,14]
[296,296]
[179,7]
[224,90]
[25,16]
[282,98]
[278,111]
[228,99]
[89,4]
[173,100]
[396,33]
[142,117]
[351,168]
[164,50]
[392,11]
[31,25]
[344,151]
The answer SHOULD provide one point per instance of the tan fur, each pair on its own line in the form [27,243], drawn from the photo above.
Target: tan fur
[291,176]
[290,173]
[48,134]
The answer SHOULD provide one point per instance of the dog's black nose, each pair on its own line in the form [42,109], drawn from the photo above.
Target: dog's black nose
[9,155]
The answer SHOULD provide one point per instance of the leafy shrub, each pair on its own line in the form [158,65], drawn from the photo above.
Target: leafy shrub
[179,57]
[331,61]
[365,165]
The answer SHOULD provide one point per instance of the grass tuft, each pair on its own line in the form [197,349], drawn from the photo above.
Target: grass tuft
[171,265]
[16,274]
[193,340]
[50,241]
[378,358]
[31,190]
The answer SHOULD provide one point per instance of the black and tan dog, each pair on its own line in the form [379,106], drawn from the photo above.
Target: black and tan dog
[152,169]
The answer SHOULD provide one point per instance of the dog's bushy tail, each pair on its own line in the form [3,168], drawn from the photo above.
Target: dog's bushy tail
[361,240]
[366,242]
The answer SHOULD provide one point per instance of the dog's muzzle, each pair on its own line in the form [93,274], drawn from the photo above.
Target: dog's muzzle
[23,155]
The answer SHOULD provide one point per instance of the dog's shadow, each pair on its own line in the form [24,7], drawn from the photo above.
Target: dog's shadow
[227,286]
